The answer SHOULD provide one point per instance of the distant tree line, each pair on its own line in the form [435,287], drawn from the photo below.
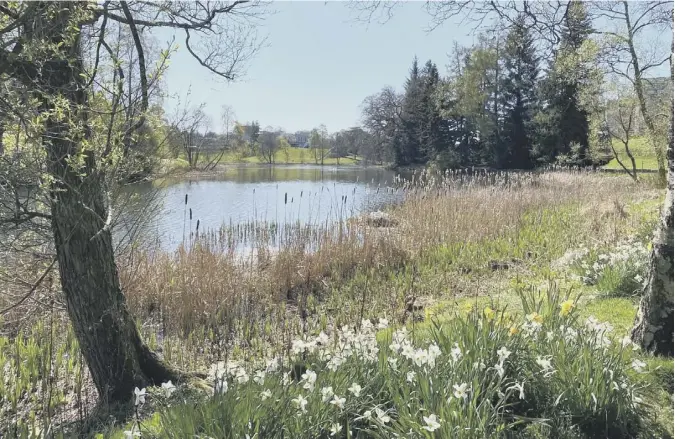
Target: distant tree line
[502,105]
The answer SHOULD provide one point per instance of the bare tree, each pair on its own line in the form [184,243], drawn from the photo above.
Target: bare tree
[269,144]
[42,47]
[620,116]
[628,56]
[381,115]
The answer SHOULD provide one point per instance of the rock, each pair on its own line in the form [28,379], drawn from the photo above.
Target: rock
[380,219]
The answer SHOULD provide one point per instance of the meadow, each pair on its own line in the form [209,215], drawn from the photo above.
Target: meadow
[493,306]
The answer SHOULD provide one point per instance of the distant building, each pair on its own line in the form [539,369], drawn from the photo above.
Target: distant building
[300,139]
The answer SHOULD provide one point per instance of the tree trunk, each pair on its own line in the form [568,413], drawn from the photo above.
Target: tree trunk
[653,329]
[110,342]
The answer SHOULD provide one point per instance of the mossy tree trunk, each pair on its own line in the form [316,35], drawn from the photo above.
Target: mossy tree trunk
[653,329]
[109,339]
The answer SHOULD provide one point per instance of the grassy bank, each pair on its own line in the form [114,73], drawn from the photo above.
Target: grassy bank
[642,150]
[472,270]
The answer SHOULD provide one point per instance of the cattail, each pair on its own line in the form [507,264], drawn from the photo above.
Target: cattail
[197,230]
[186,196]
[286,198]
[190,214]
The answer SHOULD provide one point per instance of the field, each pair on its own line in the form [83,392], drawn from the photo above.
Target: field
[642,150]
[488,308]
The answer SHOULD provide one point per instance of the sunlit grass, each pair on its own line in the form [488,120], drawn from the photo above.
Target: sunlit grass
[642,150]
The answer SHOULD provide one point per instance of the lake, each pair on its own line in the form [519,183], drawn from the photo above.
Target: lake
[308,195]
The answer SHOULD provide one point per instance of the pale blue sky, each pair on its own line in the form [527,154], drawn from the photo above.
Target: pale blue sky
[320,63]
[319,66]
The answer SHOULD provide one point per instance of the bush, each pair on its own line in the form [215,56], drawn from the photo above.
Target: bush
[489,374]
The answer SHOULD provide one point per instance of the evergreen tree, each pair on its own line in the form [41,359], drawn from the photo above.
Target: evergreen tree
[434,135]
[564,128]
[519,94]
[407,146]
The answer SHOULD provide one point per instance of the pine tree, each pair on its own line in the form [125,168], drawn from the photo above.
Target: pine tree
[434,134]
[564,121]
[519,94]
[407,145]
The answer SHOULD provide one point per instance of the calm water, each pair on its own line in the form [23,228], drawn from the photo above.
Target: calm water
[305,194]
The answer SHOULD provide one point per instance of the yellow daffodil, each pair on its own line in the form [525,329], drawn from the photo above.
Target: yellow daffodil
[513,330]
[566,307]
[536,317]
[489,313]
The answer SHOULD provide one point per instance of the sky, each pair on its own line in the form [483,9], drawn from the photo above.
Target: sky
[318,66]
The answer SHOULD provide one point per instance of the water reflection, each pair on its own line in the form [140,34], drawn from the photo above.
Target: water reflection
[298,195]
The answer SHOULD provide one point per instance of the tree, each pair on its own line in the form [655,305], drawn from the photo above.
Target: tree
[621,114]
[41,47]
[318,140]
[407,145]
[381,117]
[653,329]
[627,57]
[519,94]
[565,121]
[269,144]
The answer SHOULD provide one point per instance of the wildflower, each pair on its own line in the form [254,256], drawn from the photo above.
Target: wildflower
[638,365]
[382,416]
[392,362]
[513,330]
[383,324]
[520,388]
[355,389]
[326,393]
[338,402]
[638,278]
[499,368]
[366,415]
[536,318]
[309,378]
[566,307]
[322,339]
[335,429]
[265,394]
[300,403]
[489,313]
[241,376]
[433,351]
[460,390]
[432,423]
[272,364]
[544,363]
[298,347]
[550,336]
[130,434]
[410,377]
[139,396]
[168,388]
[456,353]
[503,354]
[259,377]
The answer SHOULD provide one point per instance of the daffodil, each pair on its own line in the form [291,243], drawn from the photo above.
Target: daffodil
[168,388]
[265,394]
[460,390]
[566,307]
[300,403]
[326,393]
[338,402]
[139,396]
[535,317]
[382,416]
[503,354]
[335,429]
[513,330]
[489,313]
[355,389]
[432,422]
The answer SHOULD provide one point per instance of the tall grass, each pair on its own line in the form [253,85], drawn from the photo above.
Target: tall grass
[457,236]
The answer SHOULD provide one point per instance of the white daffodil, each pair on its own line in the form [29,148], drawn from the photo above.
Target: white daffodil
[300,403]
[460,390]
[456,353]
[382,416]
[383,324]
[355,389]
[638,365]
[545,364]
[259,377]
[410,377]
[168,388]
[432,422]
[130,434]
[326,393]
[503,354]
[335,429]
[338,402]
[139,396]
[265,394]
[309,378]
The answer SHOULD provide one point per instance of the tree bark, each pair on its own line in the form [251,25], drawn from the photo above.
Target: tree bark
[653,329]
[110,342]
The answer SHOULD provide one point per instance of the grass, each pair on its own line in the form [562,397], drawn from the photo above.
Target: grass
[642,150]
[458,248]
[290,155]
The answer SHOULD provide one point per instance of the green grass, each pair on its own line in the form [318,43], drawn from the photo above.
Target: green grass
[288,156]
[642,150]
